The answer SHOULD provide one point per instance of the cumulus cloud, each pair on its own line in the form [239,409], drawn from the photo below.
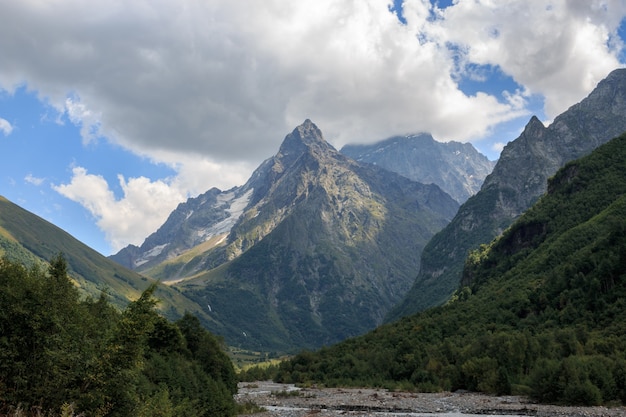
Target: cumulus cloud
[228,79]
[82,116]
[5,127]
[559,49]
[144,206]
[498,146]
[215,86]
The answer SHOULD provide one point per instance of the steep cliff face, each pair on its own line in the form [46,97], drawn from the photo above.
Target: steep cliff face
[517,181]
[457,168]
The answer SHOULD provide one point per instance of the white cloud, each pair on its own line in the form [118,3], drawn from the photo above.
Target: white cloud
[34,180]
[80,114]
[229,79]
[559,49]
[144,206]
[212,87]
[5,127]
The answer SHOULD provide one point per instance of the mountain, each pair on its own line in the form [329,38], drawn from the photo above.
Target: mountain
[314,248]
[517,181]
[31,240]
[543,313]
[458,168]
[199,222]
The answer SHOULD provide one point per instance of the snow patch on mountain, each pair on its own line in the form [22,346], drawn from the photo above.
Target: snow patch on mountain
[237,206]
[155,251]
[232,205]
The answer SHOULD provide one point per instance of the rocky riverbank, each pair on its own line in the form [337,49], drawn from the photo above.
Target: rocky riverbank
[282,400]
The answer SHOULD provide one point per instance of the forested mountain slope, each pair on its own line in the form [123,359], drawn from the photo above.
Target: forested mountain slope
[517,181]
[543,312]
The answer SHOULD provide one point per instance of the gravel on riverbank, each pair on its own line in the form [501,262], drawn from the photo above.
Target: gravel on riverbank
[283,400]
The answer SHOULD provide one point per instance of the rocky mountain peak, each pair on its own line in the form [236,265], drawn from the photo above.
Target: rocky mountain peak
[314,248]
[609,91]
[304,138]
[534,127]
[458,168]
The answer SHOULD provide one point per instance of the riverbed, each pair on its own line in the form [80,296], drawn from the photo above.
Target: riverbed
[285,400]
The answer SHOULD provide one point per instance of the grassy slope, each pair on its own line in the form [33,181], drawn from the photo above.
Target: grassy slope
[28,238]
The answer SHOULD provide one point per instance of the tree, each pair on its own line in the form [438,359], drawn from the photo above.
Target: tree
[58,352]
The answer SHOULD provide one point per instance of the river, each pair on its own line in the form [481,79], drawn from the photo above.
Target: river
[285,400]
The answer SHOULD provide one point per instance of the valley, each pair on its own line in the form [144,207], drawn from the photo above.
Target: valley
[316,251]
[401,208]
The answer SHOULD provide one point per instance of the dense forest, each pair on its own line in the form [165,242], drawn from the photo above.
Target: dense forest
[541,312]
[63,355]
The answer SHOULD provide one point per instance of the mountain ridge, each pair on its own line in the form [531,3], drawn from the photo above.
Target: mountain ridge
[517,181]
[457,168]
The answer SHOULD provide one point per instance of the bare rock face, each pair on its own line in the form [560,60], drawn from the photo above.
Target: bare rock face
[517,181]
[457,168]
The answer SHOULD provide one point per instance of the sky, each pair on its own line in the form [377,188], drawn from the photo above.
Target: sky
[112,113]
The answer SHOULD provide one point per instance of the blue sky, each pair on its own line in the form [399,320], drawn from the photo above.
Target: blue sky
[112,114]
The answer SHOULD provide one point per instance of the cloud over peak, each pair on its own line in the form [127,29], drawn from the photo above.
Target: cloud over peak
[228,78]
[215,85]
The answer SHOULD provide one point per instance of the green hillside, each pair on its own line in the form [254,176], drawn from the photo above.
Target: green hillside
[543,311]
[29,239]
